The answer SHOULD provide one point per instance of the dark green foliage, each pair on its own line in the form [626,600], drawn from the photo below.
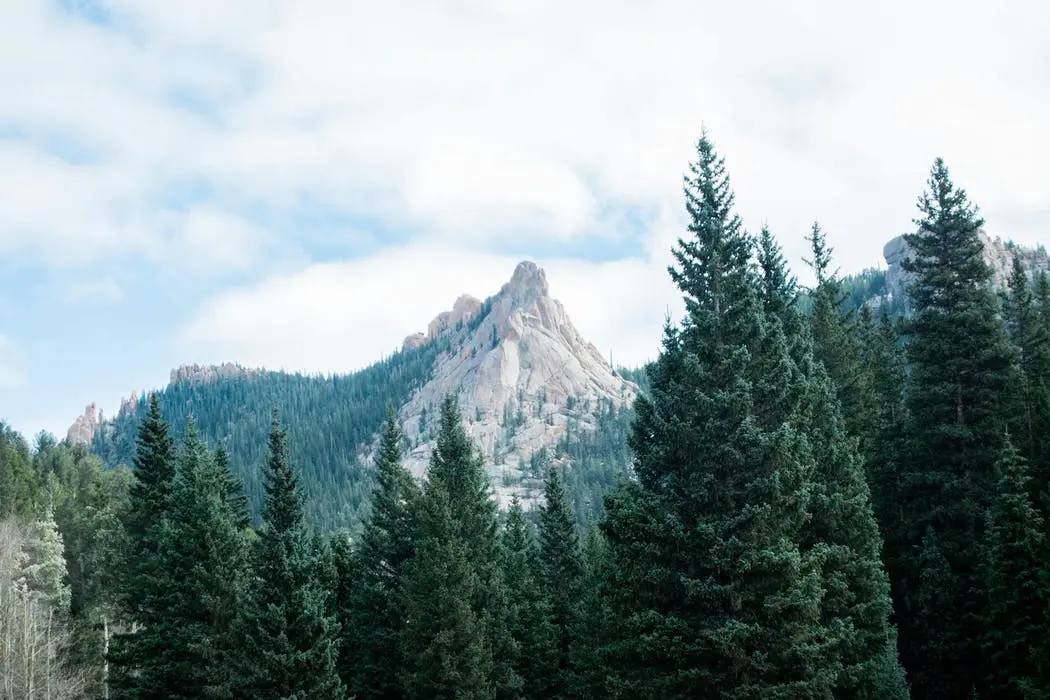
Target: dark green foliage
[937,593]
[1027,314]
[961,399]
[17,482]
[154,466]
[233,488]
[712,593]
[560,570]
[188,569]
[136,667]
[842,529]
[856,604]
[446,651]
[370,654]
[597,457]
[531,622]
[87,502]
[1015,564]
[330,420]
[835,343]
[285,642]
[457,568]
[591,630]
[203,555]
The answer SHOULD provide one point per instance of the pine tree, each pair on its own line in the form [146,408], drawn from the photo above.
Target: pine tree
[372,618]
[132,655]
[1028,322]
[446,651]
[154,470]
[713,595]
[457,489]
[936,595]
[780,292]
[856,601]
[1015,563]
[591,623]
[233,487]
[286,639]
[960,395]
[203,554]
[842,528]
[560,569]
[835,337]
[531,620]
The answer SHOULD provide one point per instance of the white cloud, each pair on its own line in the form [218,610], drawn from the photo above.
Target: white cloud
[472,122]
[337,317]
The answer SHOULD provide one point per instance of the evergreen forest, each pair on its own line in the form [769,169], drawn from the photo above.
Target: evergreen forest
[814,497]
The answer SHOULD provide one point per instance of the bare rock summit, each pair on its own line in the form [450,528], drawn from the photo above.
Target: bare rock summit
[82,432]
[521,372]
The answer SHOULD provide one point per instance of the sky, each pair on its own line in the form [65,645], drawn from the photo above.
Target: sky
[301,184]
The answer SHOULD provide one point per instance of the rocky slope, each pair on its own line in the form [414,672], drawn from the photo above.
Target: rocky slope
[998,253]
[85,426]
[521,372]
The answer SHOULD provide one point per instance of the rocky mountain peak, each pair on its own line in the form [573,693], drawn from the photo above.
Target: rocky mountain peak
[529,281]
[83,430]
[521,372]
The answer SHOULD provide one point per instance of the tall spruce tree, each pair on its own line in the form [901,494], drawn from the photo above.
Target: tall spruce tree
[713,594]
[592,622]
[560,570]
[842,528]
[458,526]
[372,619]
[203,553]
[233,488]
[960,398]
[286,639]
[1029,328]
[446,651]
[1015,562]
[835,342]
[531,622]
[154,469]
[133,654]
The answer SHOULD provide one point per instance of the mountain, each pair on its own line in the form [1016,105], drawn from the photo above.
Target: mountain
[524,376]
[532,391]
[885,287]
[998,254]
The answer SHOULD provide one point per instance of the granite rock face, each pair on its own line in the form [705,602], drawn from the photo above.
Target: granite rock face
[998,254]
[517,365]
[84,427]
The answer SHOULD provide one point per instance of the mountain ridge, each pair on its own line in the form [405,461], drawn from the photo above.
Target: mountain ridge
[532,391]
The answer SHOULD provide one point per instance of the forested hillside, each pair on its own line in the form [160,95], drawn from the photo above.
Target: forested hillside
[331,422]
[823,501]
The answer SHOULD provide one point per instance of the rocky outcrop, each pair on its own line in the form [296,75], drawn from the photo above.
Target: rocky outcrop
[465,308]
[82,432]
[416,340]
[201,374]
[521,372]
[997,253]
